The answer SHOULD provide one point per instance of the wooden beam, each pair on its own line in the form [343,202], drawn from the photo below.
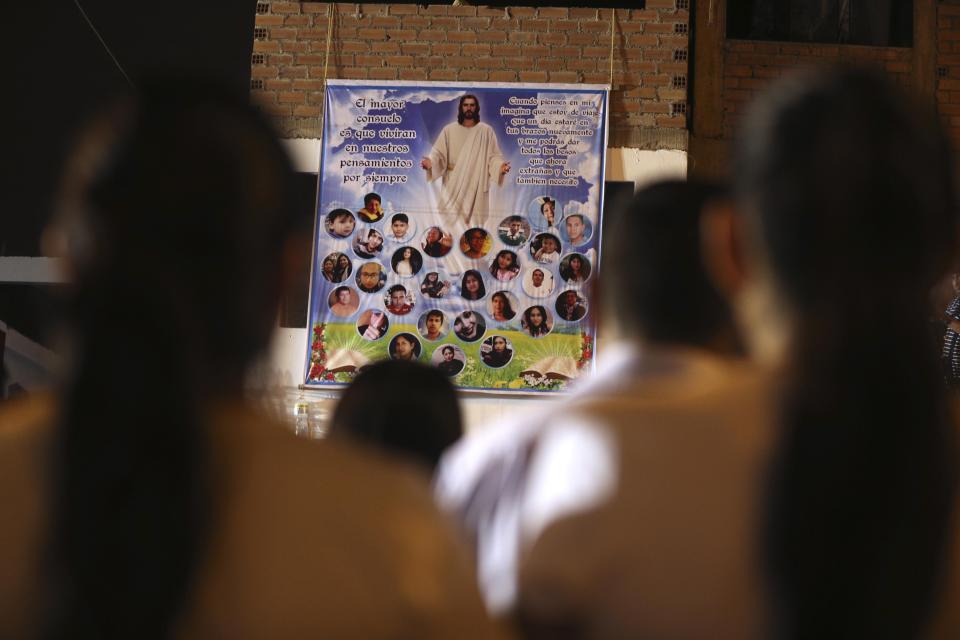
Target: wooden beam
[925,50]
[708,153]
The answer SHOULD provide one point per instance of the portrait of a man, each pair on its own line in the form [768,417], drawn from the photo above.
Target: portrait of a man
[466,158]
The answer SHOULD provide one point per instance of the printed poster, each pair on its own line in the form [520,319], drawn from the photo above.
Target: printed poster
[458,225]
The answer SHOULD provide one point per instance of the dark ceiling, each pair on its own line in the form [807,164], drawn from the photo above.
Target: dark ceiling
[61,73]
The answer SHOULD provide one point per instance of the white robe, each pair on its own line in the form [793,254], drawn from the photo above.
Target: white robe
[468,159]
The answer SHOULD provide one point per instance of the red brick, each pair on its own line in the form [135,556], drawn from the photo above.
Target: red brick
[258,71]
[595,78]
[564,76]
[403,9]
[600,26]
[383,73]
[463,11]
[737,70]
[475,23]
[473,75]
[399,61]
[657,27]
[445,48]
[429,35]
[520,12]
[443,74]
[266,46]
[388,22]
[415,48]
[533,76]
[898,67]
[486,62]
[372,34]
[284,7]
[359,73]
[369,60]
[508,50]
[550,64]
[476,49]
[597,52]
[491,12]
[553,12]
[629,27]
[583,13]
[492,36]
[413,74]
[581,64]
[296,47]
[416,22]
[640,66]
[503,76]
[306,111]
[735,45]
[293,72]
[292,97]
[642,40]
[581,38]
[680,122]
[283,33]
[661,4]
[401,35]
[268,21]
[373,8]
[297,21]
[308,85]
[436,10]
[449,24]
[459,36]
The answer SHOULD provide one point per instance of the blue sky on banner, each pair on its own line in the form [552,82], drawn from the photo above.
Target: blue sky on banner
[425,112]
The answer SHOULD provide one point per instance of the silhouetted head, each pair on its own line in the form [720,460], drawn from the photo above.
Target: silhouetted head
[405,408]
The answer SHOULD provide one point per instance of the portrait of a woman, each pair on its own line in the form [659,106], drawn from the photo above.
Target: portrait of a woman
[505,267]
[471,286]
[535,321]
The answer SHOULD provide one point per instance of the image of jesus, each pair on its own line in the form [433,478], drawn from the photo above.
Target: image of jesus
[467,159]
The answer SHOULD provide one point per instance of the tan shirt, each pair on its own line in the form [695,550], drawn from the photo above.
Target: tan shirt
[313,540]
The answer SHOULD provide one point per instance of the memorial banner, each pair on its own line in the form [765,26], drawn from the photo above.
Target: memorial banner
[459,225]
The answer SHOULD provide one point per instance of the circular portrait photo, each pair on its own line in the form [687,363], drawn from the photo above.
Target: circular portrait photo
[471,285]
[450,359]
[469,326]
[372,324]
[496,352]
[536,321]
[475,243]
[545,248]
[404,346]
[538,282]
[571,305]
[505,265]
[336,267]
[544,213]
[343,302]
[502,306]
[406,262]
[340,223]
[514,231]
[574,268]
[368,243]
[576,230]
[398,300]
[434,285]
[436,242]
[433,325]
[371,276]
[401,228]
[372,211]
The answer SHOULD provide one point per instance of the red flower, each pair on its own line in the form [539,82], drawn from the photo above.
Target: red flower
[316,371]
[329,376]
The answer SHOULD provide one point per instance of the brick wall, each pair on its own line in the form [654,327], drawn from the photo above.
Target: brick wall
[749,66]
[948,68]
[478,44]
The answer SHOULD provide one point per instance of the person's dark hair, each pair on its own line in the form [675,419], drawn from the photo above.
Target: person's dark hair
[481,289]
[662,289]
[415,414]
[400,217]
[447,348]
[177,204]
[468,96]
[851,193]
[495,265]
[434,313]
[370,197]
[508,311]
[533,330]
[548,201]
